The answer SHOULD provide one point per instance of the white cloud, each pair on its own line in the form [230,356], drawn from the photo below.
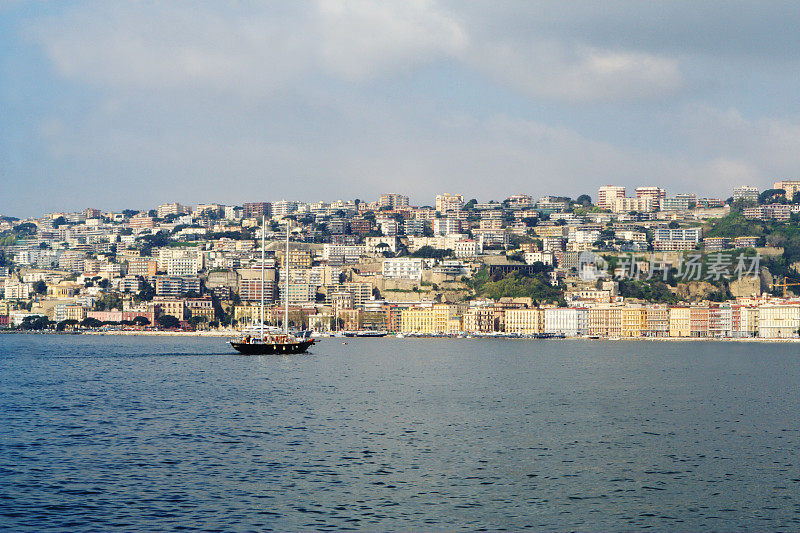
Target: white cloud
[554,71]
[363,39]
[257,49]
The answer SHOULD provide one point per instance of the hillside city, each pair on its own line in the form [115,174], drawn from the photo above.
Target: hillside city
[645,265]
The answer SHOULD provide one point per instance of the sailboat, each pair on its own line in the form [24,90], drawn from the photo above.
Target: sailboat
[272,342]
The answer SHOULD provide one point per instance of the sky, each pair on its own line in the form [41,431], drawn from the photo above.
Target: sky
[118,105]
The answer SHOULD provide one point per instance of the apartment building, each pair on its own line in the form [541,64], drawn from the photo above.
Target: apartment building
[480,320]
[680,322]
[778,321]
[607,194]
[437,319]
[569,321]
[447,202]
[640,204]
[254,210]
[393,201]
[654,193]
[790,186]
[779,212]
[174,208]
[403,268]
[170,306]
[745,192]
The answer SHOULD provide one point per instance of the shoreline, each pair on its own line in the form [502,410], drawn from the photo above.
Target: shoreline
[226,334]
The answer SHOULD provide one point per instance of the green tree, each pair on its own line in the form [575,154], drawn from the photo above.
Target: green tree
[141,321]
[35,323]
[168,322]
[90,322]
[40,287]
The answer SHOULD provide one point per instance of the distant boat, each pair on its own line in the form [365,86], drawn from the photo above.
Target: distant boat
[269,341]
[371,333]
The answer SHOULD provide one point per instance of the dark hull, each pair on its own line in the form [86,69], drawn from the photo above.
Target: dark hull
[272,348]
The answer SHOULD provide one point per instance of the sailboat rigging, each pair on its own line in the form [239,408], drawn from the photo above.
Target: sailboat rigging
[268,342]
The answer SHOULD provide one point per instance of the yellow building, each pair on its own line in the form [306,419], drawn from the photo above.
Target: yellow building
[633,321]
[524,321]
[74,312]
[438,319]
[248,313]
[6,306]
[171,306]
[64,289]
[680,322]
[297,258]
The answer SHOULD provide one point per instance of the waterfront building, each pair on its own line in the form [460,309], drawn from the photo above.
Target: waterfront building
[778,321]
[569,321]
[634,321]
[170,306]
[680,322]
[200,307]
[657,323]
[433,320]
[480,320]
[699,321]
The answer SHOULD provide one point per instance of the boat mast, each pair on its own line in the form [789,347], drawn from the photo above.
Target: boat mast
[286,299]
[263,232]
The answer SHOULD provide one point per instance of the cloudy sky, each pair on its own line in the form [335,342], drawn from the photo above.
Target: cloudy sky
[132,104]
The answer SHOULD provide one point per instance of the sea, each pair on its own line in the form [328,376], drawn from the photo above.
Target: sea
[104,433]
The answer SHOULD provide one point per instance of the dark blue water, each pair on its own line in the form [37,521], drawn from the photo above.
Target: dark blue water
[104,433]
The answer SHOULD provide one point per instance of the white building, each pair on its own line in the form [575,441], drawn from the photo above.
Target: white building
[545,257]
[571,321]
[373,245]
[745,192]
[607,194]
[449,202]
[344,253]
[778,321]
[403,268]
[446,226]
[639,205]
